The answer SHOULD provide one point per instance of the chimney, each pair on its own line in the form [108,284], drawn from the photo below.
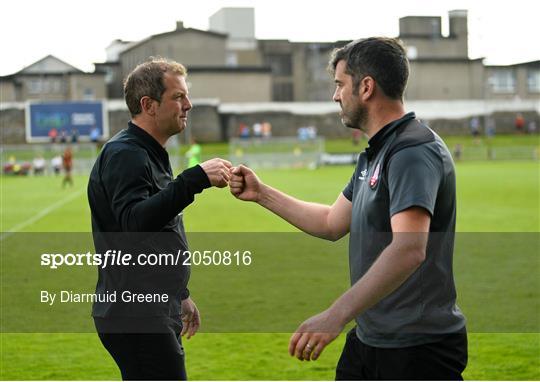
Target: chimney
[458,23]
[179,25]
[458,30]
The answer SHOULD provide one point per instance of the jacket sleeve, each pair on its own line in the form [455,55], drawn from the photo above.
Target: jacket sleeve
[127,178]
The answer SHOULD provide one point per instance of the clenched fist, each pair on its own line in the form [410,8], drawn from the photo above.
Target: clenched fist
[245,185]
[218,171]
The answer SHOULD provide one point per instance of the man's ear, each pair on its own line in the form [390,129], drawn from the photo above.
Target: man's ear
[148,106]
[367,88]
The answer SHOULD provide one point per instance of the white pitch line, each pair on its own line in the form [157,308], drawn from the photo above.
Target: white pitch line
[40,214]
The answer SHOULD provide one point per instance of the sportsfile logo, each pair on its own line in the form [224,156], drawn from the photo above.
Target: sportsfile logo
[233,257]
[109,258]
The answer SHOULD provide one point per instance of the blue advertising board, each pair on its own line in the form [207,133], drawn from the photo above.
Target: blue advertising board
[85,118]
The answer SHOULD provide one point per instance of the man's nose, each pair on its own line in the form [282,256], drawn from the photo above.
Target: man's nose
[187,105]
[336,97]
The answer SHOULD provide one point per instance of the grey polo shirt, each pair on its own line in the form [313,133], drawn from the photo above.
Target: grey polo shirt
[406,165]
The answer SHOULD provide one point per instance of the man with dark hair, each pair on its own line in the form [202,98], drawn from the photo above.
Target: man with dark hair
[381,58]
[136,205]
[399,208]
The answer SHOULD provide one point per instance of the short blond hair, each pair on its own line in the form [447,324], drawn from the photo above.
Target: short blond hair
[147,80]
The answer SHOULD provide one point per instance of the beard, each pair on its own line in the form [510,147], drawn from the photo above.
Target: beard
[355,119]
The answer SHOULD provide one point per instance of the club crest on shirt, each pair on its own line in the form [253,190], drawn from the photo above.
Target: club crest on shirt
[375,177]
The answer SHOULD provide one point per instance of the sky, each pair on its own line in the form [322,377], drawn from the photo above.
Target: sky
[78,31]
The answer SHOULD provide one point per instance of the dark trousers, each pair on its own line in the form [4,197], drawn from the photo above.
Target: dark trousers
[443,360]
[158,356]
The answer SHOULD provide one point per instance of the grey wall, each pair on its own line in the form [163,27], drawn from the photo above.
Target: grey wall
[12,126]
[207,125]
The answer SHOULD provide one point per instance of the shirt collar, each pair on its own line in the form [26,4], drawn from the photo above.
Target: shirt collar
[377,141]
[148,140]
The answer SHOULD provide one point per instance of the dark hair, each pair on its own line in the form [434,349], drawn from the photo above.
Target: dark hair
[147,80]
[382,58]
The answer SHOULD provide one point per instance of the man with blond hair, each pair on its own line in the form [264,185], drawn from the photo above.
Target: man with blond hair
[136,204]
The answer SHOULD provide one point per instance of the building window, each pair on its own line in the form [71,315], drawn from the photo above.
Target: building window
[57,87]
[282,92]
[44,86]
[109,76]
[533,80]
[281,64]
[316,62]
[231,59]
[35,86]
[88,94]
[503,81]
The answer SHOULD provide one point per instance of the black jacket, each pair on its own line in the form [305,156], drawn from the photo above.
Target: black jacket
[136,207]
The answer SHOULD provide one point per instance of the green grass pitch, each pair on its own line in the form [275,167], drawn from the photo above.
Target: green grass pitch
[493,197]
